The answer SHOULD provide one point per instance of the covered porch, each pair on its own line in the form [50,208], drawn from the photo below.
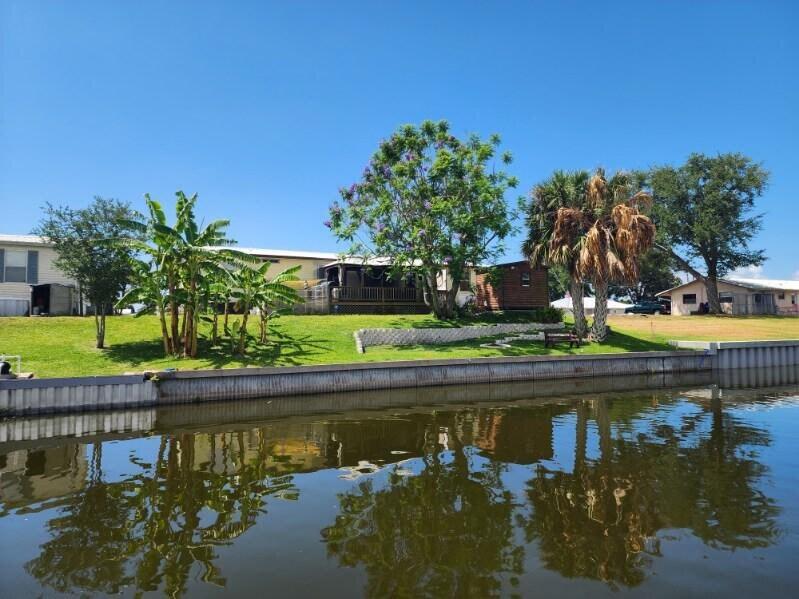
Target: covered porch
[359,287]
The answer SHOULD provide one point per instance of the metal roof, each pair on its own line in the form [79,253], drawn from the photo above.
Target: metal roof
[272,253]
[23,239]
[751,284]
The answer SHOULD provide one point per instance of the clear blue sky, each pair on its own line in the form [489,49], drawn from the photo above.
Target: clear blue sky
[265,109]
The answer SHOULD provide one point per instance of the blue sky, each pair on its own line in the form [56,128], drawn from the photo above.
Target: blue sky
[265,109]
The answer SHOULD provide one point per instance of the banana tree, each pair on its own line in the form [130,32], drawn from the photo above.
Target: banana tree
[252,290]
[180,257]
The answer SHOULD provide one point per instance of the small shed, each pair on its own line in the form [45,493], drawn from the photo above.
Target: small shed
[511,286]
[53,299]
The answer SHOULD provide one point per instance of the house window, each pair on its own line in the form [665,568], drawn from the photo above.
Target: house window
[525,279]
[781,296]
[689,298]
[725,298]
[793,299]
[16,266]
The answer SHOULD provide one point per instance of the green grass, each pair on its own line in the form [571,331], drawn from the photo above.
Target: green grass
[65,347]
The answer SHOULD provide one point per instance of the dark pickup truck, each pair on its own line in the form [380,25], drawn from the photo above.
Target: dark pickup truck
[647,308]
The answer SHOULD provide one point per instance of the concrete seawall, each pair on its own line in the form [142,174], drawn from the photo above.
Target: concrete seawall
[76,395]
[245,383]
[80,394]
[747,354]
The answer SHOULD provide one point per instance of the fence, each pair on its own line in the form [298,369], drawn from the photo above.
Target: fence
[378,294]
[316,300]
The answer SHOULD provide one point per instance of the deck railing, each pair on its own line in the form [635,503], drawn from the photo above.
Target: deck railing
[378,294]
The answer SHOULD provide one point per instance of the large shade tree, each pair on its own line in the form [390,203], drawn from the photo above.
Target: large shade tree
[704,211]
[89,248]
[428,200]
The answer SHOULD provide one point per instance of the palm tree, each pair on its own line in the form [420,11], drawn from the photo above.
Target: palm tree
[553,199]
[617,236]
[253,290]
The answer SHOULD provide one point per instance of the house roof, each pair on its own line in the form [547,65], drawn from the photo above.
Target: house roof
[361,261]
[751,284]
[272,253]
[23,239]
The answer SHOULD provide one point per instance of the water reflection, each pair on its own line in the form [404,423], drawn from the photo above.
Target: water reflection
[454,501]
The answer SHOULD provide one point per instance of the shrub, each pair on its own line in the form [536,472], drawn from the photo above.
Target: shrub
[548,315]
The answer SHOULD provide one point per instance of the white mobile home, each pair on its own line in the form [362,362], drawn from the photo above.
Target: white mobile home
[737,296]
[30,283]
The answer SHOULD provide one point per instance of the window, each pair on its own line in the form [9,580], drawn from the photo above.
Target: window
[793,299]
[781,295]
[525,279]
[725,298]
[688,298]
[16,266]
[464,285]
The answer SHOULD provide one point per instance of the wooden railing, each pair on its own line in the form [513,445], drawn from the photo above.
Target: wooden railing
[377,294]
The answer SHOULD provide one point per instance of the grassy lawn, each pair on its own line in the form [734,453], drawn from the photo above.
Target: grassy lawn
[64,346]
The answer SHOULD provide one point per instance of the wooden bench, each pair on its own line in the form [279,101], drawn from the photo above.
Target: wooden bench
[550,339]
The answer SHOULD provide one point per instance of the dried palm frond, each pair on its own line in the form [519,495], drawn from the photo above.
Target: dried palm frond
[596,189]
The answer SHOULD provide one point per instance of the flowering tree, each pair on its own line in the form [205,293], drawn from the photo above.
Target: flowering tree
[428,200]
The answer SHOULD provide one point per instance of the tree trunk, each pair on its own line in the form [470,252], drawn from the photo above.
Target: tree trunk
[712,286]
[243,332]
[442,309]
[99,325]
[215,327]
[174,319]
[164,331]
[225,325]
[599,328]
[576,291]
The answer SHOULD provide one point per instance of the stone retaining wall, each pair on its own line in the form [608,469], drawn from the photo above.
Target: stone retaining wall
[370,337]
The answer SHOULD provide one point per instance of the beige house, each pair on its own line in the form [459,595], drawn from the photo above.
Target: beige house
[737,296]
[29,281]
[312,264]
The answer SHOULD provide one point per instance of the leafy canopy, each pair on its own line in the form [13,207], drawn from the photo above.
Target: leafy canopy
[87,241]
[427,199]
[704,210]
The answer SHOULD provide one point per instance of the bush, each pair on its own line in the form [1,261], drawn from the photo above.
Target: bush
[547,315]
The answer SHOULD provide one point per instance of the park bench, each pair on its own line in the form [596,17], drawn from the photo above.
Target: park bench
[550,339]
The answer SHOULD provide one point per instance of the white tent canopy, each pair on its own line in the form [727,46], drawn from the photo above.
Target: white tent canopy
[614,307]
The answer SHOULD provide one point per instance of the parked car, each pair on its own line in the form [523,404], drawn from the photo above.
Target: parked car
[647,308]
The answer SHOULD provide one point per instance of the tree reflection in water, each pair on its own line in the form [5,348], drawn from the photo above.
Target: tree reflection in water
[442,522]
[601,520]
[149,530]
[447,531]
[450,529]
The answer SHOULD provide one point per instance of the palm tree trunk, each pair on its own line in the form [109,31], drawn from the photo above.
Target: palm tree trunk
[599,328]
[225,324]
[576,291]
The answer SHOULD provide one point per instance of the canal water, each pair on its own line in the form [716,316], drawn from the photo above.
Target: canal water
[647,487]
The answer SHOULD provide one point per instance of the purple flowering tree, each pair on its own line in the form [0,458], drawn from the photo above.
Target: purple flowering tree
[429,201]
